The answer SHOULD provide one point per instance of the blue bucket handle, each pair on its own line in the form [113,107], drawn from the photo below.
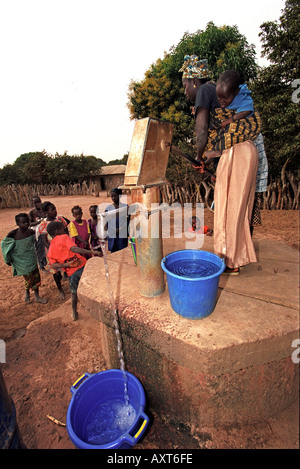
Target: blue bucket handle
[79,382]
[132,440]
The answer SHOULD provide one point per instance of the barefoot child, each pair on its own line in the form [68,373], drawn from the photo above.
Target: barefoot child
[51,215]
[18,249]
[64,254]
[36,215]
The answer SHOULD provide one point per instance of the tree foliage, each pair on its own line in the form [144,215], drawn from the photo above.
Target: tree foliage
[43,168]
[119,160]
[273,91]
[281,41]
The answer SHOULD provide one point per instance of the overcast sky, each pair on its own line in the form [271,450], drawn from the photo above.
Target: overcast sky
[66,65]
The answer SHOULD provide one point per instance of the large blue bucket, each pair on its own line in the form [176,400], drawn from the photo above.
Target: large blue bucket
[10,437]
[95,417]
[193,278]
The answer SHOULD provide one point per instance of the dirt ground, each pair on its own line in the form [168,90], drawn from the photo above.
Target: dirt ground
[46,352]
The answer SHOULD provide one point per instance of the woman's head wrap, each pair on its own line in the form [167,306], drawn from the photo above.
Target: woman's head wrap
[194,68]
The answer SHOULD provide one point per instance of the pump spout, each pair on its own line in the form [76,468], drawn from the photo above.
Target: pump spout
[100,229]
[105,217]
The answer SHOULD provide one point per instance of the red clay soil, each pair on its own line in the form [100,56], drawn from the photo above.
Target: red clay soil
[46,352]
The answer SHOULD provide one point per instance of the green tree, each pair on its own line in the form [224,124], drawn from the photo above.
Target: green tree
[28,168]
[273,91]
[7,175]
[18,167]
[71,168]
[281,41]
[120,160]
[34,169]
[43,168]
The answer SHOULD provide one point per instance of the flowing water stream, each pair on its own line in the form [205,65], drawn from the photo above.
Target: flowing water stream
[110,419]
[115,322]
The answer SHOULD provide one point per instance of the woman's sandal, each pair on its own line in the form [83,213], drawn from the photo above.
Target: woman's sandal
[229,271]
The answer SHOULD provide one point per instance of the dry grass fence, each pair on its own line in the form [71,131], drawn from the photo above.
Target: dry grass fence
[15,196]
[282,194]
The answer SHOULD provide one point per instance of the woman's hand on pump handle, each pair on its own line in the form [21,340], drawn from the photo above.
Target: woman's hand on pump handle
[202,168]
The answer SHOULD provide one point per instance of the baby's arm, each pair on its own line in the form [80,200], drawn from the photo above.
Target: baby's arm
[237,116]
[241,115]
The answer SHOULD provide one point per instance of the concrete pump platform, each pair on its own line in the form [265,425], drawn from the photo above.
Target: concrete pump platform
[235,366]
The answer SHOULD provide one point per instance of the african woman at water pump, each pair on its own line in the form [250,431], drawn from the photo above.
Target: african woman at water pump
[237,166]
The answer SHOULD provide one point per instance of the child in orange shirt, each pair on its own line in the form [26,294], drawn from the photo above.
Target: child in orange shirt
[197,228]
[64,254]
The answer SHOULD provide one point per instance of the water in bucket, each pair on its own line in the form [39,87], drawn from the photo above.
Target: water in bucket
[98,417]
[193,268]
[108,421]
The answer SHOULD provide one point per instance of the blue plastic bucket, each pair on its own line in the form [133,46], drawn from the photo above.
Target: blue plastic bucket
[193,278]
[10,437]
[95,417]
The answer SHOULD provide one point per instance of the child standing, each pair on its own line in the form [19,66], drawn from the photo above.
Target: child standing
[118,227]
[51,215]
[36,215]
[79,229]
[18,249]
[64,254]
